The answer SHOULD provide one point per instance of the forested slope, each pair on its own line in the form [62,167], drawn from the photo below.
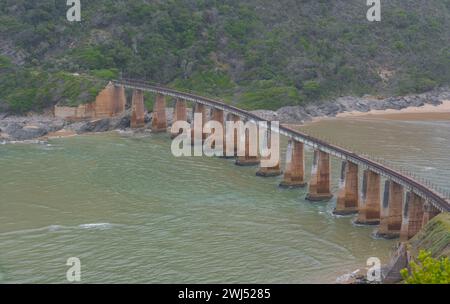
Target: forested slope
[257,53]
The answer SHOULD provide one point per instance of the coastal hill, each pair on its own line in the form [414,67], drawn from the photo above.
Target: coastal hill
[259,54]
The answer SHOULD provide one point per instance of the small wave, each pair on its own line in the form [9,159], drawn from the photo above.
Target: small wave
[120,131]
[96,226]
[25,142]
[52,228]
[55,228]
[429,168]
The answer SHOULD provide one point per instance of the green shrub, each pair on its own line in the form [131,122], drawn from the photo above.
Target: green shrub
[428,270]
[5,62]
[269,95]
[106,74]
[312,89]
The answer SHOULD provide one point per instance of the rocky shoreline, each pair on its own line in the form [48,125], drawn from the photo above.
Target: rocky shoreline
[331,108]
[25,128]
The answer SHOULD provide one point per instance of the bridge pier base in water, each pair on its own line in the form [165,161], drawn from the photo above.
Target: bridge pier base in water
[269,171]
[412,216]
[274,170]
[159,120]
[180,114]
[391,213]
[319,187]
[294,174]
[348,197]
[137,110]
[250,157]
[369,209]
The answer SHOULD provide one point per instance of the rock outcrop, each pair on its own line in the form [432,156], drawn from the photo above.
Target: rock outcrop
[26,128]
[302,114]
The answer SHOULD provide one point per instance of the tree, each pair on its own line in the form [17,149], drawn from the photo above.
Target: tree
[428,270]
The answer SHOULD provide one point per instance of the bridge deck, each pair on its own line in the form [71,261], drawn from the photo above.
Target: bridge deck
[409,183]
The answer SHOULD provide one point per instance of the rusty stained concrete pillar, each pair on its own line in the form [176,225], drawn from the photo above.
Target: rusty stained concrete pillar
[369,207]
[269,171]
[235,118]
[137,110]
[159,120]
[429,212]
[110,102]
[120,101]
[412,216]
[218,115]
[391,212]
[319,187]
[198,109]
[348,198]
[294,174]
[247,159]
[180,114]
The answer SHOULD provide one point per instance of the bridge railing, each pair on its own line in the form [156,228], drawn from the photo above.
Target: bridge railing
[394,166]
[435,195]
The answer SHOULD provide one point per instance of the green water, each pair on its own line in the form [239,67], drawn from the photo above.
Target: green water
[132,213]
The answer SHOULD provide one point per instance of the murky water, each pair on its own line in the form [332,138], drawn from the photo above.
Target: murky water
[133,213]
[418,143]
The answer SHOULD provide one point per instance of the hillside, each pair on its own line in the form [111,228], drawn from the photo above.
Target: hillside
[256,53]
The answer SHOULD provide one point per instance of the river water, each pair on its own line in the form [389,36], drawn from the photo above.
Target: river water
[132,213]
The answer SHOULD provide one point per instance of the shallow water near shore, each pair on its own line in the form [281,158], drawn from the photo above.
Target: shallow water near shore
[133,213]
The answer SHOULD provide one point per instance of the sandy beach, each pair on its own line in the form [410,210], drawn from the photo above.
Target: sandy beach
[426,112]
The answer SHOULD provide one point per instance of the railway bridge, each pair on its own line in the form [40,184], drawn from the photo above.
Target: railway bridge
[405,206]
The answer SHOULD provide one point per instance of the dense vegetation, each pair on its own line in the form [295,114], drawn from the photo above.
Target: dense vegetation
[428,270]
[25,89]
[259,53]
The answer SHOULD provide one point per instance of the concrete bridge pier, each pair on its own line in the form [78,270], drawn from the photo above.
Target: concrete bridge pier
[110,102]
[218,115]
[319,187]
[137,110]
[159,120]
[391,212]
[429,212]
[269,171]
[249,159]
[412,216]
[294,174]
[180,114]
[369,208]
[198,109]
[231,152]
[348,198]
[120,100]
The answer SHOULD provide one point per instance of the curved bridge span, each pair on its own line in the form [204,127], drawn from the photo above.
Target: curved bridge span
[431,201]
